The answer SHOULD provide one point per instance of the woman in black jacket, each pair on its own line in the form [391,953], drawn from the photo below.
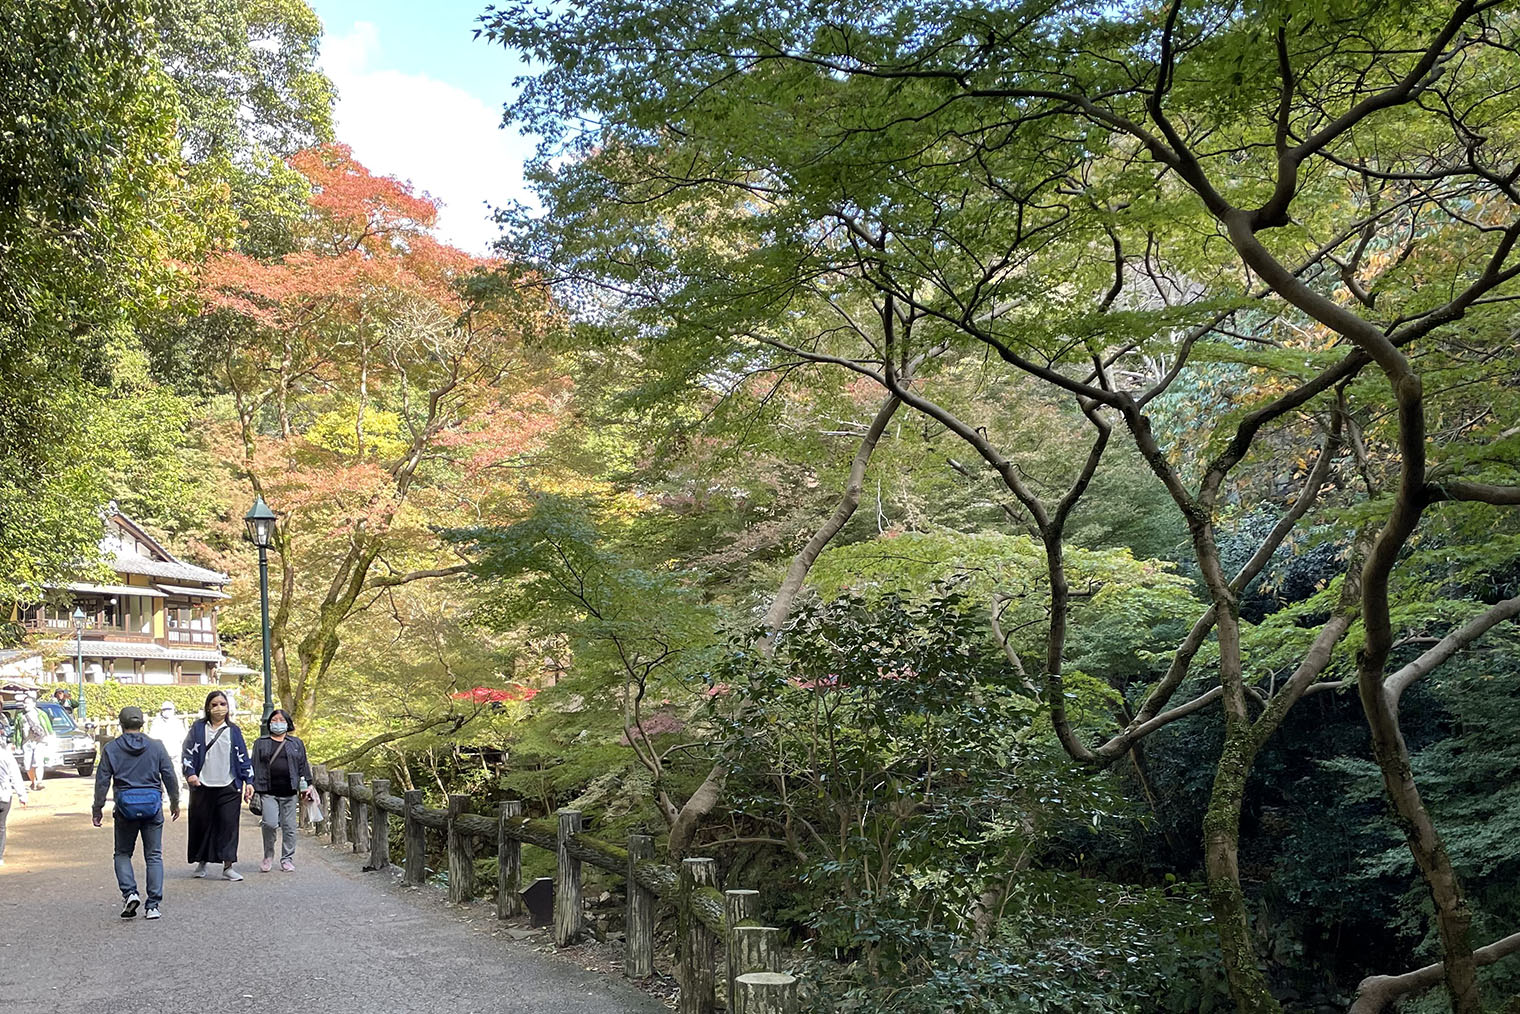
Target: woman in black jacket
[281,775]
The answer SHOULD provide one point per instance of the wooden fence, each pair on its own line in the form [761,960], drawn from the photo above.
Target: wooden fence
[716,929]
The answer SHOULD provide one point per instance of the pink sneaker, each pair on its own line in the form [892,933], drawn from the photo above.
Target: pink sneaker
[266,863]
[287,866]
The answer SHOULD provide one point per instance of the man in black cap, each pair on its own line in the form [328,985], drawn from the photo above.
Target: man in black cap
[137,771]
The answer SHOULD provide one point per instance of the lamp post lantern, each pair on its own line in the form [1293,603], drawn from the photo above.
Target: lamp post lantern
[78,617]
[261,521]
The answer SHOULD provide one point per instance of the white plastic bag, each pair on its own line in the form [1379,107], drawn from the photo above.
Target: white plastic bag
[313,809]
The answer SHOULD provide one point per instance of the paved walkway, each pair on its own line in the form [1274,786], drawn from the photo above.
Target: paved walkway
[325,938]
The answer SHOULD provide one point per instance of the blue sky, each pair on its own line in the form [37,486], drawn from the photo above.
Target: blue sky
[419,98]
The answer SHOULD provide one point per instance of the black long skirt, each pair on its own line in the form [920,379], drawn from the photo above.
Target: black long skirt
[214,823]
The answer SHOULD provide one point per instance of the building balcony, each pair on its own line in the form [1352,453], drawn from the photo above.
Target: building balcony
[65,632]
[92,632]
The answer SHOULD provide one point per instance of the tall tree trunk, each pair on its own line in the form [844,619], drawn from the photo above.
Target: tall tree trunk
[707,796]
[1221,822]
[1221,841]
[1453,915]
[786,596]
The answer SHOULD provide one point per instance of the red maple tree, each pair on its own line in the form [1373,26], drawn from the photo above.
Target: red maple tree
[385,384]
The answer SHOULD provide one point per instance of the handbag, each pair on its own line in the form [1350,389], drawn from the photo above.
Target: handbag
[256,804]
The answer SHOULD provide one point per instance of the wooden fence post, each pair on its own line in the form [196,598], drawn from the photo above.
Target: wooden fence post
[338,815]
[380,826]
[755,949]
[415,836]
[699,947]
[358,814]
[461,853]
[638,958]
[567,883]
[508,861]
[766,993]
[739,907]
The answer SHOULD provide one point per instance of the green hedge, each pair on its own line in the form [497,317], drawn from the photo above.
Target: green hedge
[104,700]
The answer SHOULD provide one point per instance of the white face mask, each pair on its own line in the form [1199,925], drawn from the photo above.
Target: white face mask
[278,727]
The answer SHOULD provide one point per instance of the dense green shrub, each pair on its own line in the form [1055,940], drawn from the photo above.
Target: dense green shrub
[104,700]
[914,784]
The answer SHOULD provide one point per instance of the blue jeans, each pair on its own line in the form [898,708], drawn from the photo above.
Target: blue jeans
[152,831]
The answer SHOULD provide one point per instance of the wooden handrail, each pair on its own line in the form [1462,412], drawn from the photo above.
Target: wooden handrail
[358,816]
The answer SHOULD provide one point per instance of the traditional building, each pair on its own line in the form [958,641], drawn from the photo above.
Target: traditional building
[156,623]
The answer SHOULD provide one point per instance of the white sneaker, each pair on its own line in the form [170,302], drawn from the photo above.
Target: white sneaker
[129,909]
[152,913]
[230,874]
[200,870]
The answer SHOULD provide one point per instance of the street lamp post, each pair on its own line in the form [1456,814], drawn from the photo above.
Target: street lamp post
[78,617]
[261,520]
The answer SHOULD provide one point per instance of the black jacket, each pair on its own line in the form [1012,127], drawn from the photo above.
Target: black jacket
[295,756]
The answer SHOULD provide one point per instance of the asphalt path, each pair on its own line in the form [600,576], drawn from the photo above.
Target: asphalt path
[326,938]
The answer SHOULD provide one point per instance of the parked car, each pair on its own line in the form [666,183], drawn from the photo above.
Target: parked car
[68,746]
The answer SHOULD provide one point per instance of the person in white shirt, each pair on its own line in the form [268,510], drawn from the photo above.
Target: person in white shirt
[169,729]
[35,729]
[12,786]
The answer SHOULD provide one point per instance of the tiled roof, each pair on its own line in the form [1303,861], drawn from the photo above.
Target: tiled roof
[130,649]
[162,568]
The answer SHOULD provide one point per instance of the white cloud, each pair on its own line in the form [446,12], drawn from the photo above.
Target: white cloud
[444,140]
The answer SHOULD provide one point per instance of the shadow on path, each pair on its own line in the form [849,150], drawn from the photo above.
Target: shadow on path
[325,938]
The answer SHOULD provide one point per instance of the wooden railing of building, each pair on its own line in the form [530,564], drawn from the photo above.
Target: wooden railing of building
[718,932]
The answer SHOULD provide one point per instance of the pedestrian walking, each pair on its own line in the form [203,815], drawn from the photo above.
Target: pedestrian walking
[12,787]
[169,729]
[219,772]
[35,729]
[281,776]
[136,770]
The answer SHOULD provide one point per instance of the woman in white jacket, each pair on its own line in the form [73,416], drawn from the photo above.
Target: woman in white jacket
[12,786]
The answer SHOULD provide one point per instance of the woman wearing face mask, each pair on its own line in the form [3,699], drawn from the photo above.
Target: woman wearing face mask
[219,773]
[281,774]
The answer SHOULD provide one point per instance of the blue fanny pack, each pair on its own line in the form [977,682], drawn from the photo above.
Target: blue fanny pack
[139,804]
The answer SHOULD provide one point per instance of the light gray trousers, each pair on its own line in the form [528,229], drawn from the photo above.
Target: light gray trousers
[281,814]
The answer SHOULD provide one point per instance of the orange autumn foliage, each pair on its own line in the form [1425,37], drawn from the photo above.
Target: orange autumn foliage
[386,385]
